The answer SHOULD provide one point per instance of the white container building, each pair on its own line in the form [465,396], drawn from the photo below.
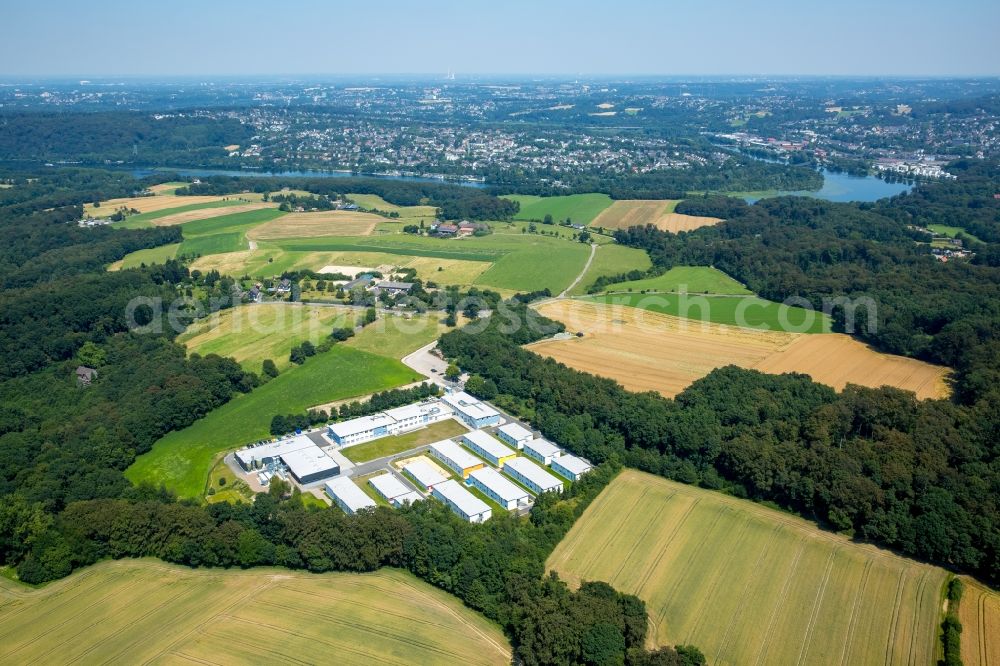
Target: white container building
[486,446]
[531,476]
[515,434]
[463,503]
[571,467]
[424,474]
[348,496]
[542,450]
[499,488]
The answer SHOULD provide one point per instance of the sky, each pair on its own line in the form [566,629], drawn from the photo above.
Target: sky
[574,37]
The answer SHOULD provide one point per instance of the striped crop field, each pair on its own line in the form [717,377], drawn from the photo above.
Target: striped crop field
[751,585]
[979,612]
[145,611]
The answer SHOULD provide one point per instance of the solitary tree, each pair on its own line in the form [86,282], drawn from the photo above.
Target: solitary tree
[452,372]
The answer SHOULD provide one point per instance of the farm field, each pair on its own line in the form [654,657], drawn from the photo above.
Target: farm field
[694,279]
[169,614]
[580,208]
[640,212]
[645,351]
[388,446]
[395,336]
[312,225]
[979,613]
[751,585]
[745,311]
[950,232]
[407,214]
[222,234]
[153,255]
[203,213]
[148,204]
[612,260]
[181,460]
[252,333]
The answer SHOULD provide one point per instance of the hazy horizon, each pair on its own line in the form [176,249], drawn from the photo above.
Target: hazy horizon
[636,38]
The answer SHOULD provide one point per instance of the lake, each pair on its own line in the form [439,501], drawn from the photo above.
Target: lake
[843,187]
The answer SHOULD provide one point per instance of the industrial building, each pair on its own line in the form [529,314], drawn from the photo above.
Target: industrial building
[463,503]
[392,490]
[515,435]
[542,451]
[488,447]
[474,412]
[424,474]
[531,476]
[390,422]
[498,488]
[304,459]
[455,457]
[571,467]
[348,496]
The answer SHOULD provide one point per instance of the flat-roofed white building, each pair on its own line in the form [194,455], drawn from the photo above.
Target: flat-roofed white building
[542,450]
[390,422]
[388,486]
[463,503]
[473,411]
[486,446]
[408,498]
[348,496]
[455,457]
[531,476]
[499,488]
[571,467]
[515,435]
[424,474]
[310,464]
[361,429]
[305,460]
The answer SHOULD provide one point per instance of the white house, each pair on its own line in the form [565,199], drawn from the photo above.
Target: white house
[463,503]
[515,435]
[571,467]
[542,451]
[498,488]
[348,496]
[531,476]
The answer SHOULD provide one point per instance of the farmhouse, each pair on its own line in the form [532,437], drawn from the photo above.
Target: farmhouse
[392,490]
[85,375]
[499,489]
[360,282]
[515,435]
[348,496]
[304,459]
[542,450]
[487,447]
[475,413]
[571,467]
[394,288]
[423,474]
[389,422]
[463,503]
[446,229]
[452,455]
[531,476]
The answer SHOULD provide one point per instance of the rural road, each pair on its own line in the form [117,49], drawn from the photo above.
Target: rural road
[586,267]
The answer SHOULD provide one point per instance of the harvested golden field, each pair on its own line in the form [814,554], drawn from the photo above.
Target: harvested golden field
[206,213]
[647,351]
[979,612]
[142,611]
[149,204]
[640,212]
[836,360]
[751,585]
[315,225]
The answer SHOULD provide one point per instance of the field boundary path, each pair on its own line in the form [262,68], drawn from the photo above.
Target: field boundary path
[586,267]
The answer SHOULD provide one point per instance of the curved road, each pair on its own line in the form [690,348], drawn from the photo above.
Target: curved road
[586,267]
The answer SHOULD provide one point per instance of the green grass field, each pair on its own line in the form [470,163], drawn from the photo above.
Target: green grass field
[396,336]
[182,459]
[226,233]
[580,208]
[153,255]
[744,311]
[694,279]
[612,260]
[389,446]
[950,232]
[750,585]
[146,611]
[252,333]
[407,214]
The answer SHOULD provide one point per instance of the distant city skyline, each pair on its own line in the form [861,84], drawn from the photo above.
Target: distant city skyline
[557,37]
